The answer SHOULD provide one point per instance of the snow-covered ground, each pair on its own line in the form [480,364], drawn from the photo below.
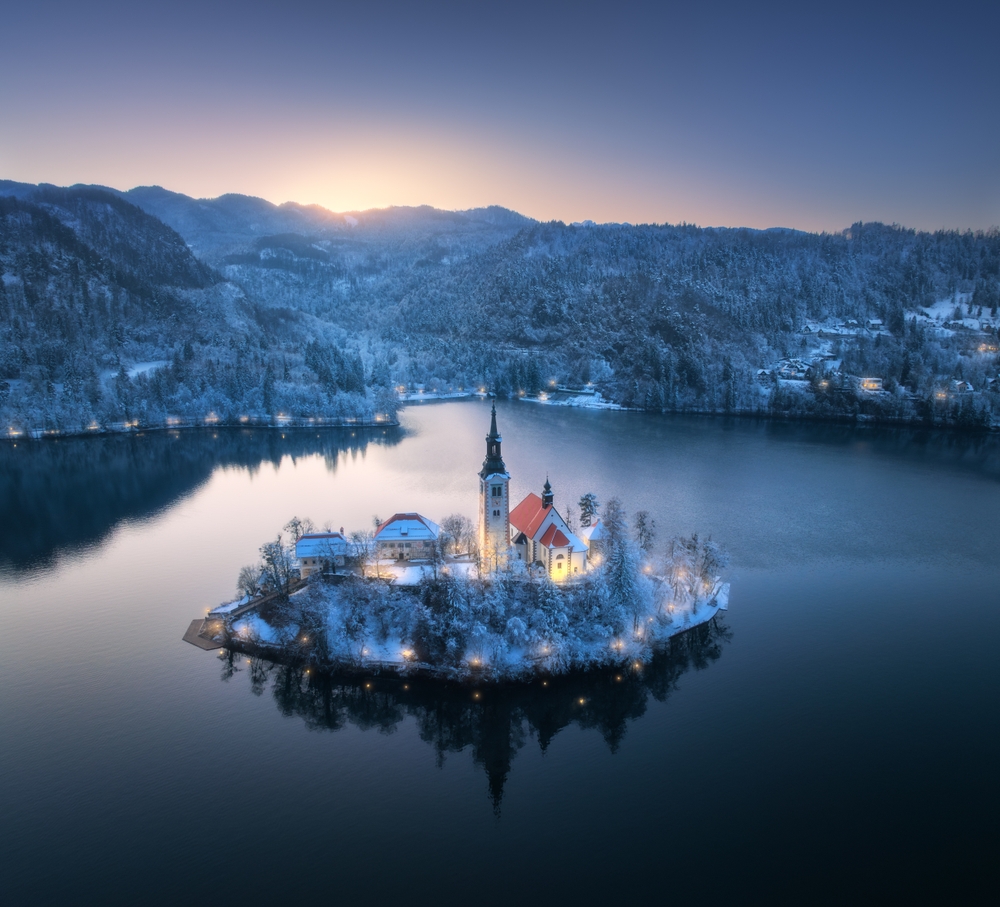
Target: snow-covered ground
[583,399]
[407,574]
[140,368]
[228,607]
[943,312]
[427,396]
[345,635]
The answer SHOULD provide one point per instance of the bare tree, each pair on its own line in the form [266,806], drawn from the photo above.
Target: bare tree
[364,547]
[458,531]
[297,528]
[278,566]
[248,582]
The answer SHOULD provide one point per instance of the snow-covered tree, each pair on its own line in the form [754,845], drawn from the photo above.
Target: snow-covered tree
[588,508]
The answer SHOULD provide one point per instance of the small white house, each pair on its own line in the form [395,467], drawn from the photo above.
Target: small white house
[319,551]
[593,538]
[405,536]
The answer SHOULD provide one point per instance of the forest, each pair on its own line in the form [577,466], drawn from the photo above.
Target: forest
[139,306]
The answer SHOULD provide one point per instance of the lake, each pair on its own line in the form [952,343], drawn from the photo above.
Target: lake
[833,738]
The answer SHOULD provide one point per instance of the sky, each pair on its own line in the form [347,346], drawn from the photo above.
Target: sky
[803,115]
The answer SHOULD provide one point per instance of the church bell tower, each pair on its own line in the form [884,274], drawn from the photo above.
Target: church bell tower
[494,501]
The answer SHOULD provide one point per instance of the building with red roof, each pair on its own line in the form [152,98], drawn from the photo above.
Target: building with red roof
[539,535]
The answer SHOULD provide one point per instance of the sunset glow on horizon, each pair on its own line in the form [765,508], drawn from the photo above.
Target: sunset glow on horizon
[724,116]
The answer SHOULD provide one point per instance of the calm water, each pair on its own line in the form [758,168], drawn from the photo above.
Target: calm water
[835,739]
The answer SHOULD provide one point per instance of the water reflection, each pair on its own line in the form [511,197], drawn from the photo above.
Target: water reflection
[493,722]
[67,494]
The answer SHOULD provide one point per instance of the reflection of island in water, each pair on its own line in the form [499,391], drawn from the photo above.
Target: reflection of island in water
[495,721]
[71,493]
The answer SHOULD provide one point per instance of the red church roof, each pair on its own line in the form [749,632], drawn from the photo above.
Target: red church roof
[528,515]
[554,538]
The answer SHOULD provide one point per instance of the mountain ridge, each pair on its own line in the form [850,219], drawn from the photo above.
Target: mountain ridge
[657,317]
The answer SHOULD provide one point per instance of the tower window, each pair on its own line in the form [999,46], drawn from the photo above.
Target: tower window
[496,491]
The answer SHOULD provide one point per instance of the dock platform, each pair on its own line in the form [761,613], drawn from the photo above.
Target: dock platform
[200,632]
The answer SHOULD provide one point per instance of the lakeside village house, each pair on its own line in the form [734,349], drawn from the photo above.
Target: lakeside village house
[533,532]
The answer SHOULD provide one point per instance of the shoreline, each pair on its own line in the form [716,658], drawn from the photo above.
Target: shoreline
[125,428]
[599,405]
[634,653]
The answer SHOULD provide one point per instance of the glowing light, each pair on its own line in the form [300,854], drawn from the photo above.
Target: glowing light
[211,419]
[582,700]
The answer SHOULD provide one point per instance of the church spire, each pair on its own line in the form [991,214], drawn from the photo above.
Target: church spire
[493,464]
[547,496]
[494,435]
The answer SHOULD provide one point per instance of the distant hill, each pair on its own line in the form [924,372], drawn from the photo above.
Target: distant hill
[657,317]
[226,225]
[106,316]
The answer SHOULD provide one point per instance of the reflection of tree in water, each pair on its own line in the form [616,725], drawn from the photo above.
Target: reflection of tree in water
[493,721]
[72,492]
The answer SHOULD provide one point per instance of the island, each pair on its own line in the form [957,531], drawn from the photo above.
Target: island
[518,595]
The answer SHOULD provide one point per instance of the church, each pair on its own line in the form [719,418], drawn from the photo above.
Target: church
[533,532]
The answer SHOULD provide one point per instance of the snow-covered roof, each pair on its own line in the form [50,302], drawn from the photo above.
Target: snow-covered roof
[592,533]
[320,544]
[407,527]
